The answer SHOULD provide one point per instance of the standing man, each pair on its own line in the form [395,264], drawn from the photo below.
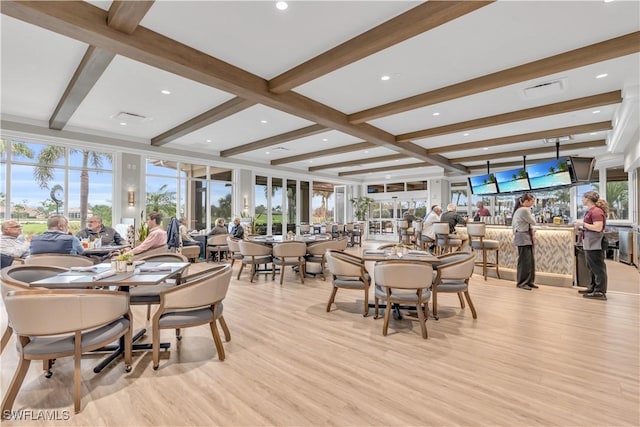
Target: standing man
[482,211]
[56,240]
[237,230]
[95,229]
[11,243]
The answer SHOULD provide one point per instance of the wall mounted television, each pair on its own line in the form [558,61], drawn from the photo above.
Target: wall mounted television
[582,168]
[512,181]
[552,173]
[483,184]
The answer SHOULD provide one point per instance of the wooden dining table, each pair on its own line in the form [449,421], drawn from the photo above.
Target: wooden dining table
[101,275]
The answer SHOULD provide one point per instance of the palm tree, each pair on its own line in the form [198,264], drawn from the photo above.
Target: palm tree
[162,201]
[19,148]
[325,194]
[44,172]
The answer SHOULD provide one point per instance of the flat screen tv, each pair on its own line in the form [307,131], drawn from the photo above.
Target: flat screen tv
[512,181]
[483,184]
[582,168]
[552,173]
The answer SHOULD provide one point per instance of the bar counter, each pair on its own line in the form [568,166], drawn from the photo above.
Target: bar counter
[554,253]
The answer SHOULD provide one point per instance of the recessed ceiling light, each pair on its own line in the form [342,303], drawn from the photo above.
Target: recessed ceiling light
[608,1]
[485,148]
[396,160]
[436,114]
[595,111]
[208,140]
[310,161]
[593,133]
[263,121]
[268,152]
[366,151]
[385,78]
[282,5]
[123,123]
[601,76]
[325,139]
[165,92]
[465,134]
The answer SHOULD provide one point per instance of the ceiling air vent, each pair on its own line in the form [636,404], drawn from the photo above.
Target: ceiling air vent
[130,118]
[282,148]
[545,89]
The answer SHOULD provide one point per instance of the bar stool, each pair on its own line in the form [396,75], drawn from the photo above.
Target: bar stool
[445,242]
[477,231]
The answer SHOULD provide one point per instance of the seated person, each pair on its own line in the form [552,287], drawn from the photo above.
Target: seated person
[220,228]
[410,217]
[427,228]
[95,229]
[56,240]
[454,218]
[11,243]
[237,230]
[187,240]
[157,237]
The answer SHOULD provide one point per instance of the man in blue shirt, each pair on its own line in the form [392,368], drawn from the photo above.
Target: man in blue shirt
[56,240]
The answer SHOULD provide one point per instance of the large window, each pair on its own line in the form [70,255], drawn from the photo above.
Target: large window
[46,179]
[261,194]
[323,203]
[459,197]
[618,193]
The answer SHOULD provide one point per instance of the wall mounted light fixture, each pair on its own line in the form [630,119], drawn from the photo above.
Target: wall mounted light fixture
[131,198]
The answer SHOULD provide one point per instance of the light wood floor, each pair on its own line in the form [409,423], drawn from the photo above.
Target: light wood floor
[540,358]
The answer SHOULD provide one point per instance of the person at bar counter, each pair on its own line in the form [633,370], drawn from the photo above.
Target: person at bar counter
[454,218]
[157,236]
[11,243]
[237,230]
[95,229]
[409,216]
[56,240]
[523,237]
[594,244]
[482,211]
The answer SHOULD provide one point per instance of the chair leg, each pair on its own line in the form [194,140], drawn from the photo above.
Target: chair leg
[6,336]
[332,298]
[435,303]
[77,358]
[375,310]
[366,302]
[422,320]
[14,387]
[128,346]
[217,340]
[155,343]
[301,270]
[473,309]
[225,328]
[178,336]
[387,315]
[497,263]
[148,311]
[461,300]
[240,272]
[282,270]
[484,263]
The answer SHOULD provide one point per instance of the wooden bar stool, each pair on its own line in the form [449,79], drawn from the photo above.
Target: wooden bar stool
[445,242]
[477,231]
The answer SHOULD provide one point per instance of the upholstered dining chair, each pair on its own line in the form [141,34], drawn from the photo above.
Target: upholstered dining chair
[149,295]
[51,324]
[234,249]
[316,254]
[477,232]
[254,254]
[453,277]
[289,253]
[218,244]
[403,282]
[59,260]
[348,272]
[19,278]
[194,303]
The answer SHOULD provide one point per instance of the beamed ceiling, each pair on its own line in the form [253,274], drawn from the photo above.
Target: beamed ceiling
[301,90]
